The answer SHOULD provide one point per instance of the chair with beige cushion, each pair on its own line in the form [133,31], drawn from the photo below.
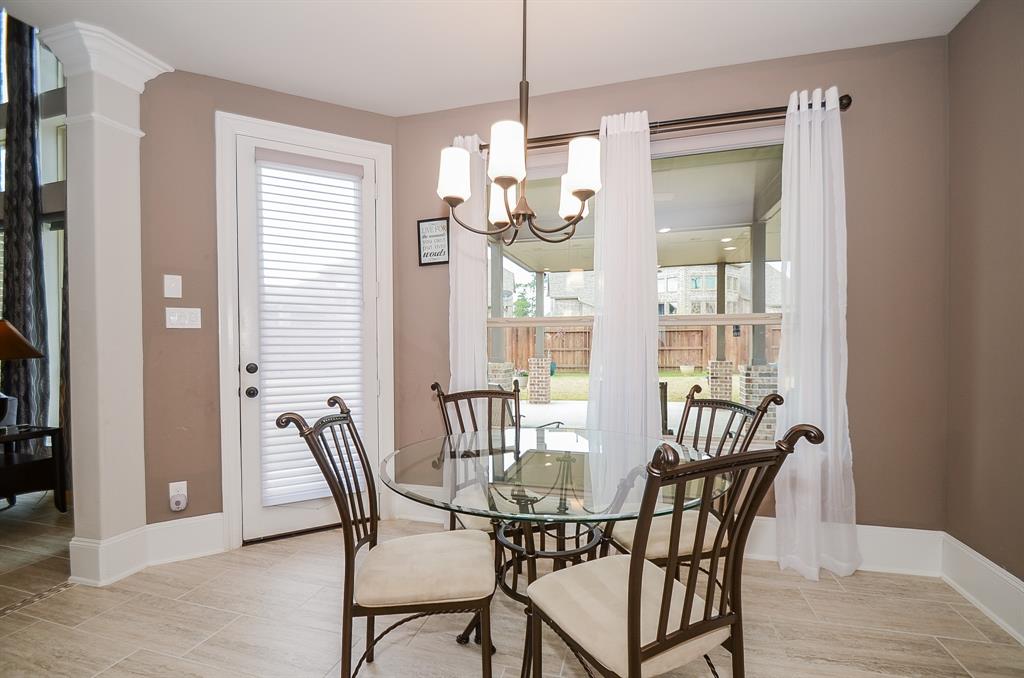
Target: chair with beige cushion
[463,412]
[625,616]
[714,427]
[439,573]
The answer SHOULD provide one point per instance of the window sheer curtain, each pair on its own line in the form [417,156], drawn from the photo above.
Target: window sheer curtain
[467,277]
[624,350]
[814,494]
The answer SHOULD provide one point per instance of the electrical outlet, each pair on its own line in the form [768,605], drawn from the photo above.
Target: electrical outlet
[178,492]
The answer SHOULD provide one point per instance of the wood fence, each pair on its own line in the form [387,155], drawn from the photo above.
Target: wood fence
[570,346]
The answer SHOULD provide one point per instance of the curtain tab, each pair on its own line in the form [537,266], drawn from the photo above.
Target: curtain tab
[832,98]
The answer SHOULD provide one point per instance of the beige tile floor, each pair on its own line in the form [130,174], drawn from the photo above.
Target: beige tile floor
[34,538]
[274,610]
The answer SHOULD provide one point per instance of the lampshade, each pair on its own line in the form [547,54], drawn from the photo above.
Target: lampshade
[569,204]
[584,165]
[453,175]
[496,213]
[508,151]
[13,345]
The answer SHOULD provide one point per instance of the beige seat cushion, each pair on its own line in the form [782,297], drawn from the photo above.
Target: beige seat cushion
[427,568]
[588,602]
[661,531]
[473,495]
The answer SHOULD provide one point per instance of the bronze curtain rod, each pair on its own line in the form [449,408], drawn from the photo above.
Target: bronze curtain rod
[684,124]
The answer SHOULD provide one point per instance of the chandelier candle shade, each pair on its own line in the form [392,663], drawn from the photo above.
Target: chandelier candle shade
[509,209]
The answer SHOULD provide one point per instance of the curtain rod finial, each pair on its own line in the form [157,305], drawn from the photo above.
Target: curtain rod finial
[845,101]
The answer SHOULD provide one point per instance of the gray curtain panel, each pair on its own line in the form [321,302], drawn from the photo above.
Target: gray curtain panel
[24,303]
[64,392]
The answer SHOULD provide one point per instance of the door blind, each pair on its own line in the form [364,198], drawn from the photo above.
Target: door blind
[310,315]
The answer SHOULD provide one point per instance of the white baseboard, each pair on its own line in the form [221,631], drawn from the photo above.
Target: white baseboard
[99,562]
[993,590]
[884,549]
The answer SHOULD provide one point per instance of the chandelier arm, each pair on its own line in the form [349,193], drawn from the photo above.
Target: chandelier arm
[540,235]
[460,222]
[512,240]
[558,229]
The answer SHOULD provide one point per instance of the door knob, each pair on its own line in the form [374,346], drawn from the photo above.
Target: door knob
[252,392]
[252,368]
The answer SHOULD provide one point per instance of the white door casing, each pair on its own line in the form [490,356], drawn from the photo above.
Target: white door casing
[238,138]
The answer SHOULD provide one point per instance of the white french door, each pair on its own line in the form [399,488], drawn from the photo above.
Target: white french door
[307,320]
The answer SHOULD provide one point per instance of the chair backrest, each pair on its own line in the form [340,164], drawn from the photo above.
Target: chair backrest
[721,426]
[464,405]
[743,479]
[341,456]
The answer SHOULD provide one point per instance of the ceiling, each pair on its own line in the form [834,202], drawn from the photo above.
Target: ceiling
[401,57]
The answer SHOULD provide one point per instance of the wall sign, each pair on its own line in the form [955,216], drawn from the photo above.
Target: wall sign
[433,241]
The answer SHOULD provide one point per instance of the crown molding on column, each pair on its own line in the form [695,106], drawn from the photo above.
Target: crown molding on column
[84,48]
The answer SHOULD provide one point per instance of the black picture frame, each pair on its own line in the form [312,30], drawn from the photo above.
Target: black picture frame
[433,257]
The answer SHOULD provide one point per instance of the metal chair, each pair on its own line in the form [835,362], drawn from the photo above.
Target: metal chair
[422,575]
[465,406]
[735,430]
[625,616]
[738,430]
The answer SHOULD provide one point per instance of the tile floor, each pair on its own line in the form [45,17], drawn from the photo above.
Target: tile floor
[34,538]
[273,610]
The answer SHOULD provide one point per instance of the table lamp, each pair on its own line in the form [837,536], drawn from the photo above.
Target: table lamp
[13,346]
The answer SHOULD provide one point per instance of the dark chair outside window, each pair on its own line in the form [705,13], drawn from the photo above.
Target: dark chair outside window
[625,616]
[427,574]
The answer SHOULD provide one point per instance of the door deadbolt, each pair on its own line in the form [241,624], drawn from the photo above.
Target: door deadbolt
[252,368]
[252,392]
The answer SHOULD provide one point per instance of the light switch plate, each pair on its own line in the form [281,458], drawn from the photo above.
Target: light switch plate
[172,286]
[183,318]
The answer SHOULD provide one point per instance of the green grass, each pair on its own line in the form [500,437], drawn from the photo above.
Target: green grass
[576,385]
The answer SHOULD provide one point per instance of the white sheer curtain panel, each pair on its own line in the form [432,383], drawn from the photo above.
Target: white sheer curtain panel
[624,352]
[815,504]
[467,277]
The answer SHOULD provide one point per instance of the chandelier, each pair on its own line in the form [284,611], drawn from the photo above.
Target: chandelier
[506,167]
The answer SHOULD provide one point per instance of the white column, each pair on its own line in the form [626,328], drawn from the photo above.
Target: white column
[105,76]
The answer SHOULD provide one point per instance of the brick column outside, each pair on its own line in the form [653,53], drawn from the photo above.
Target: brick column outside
[540,380]
[501,375]
[720,379]
[757,381]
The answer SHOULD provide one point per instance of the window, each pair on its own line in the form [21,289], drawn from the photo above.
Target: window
[705,207]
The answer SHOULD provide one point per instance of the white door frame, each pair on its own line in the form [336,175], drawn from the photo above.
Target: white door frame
[228,127]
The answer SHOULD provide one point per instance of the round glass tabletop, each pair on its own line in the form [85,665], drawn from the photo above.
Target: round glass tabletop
[543,474]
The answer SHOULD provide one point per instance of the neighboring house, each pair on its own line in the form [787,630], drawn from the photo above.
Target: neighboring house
[682,290]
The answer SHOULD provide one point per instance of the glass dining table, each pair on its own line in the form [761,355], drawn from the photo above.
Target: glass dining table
[549,493]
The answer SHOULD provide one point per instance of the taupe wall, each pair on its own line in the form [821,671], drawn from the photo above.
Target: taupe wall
[179,235]
[986,313]
[896,153]
[896,182]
